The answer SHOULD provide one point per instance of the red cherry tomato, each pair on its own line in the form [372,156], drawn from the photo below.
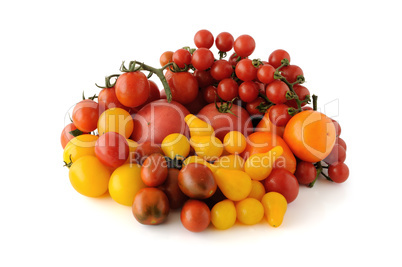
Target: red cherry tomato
[66,136]
[165,58]
[172,190]
[228,89]
[86,115]
[132,89]
[276,57]
[202,59]
[197,181]
[338,172]
[112,149]
[283,182]
[244,45]
[203,39]
[181,57]
[145,149]
[221,69]
[338,154]
[209,94]
[107,99]
[248,91]
[291,72]
[301,92]
[251,107]
[154,170]
[305,172]
[279,115]
[276,92]
[195,215]
[341,142]
[265,73]
[184,87]
[224,42]
[150,206]
[245,70]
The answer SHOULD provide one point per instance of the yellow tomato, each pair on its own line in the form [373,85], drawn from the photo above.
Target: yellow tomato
[223,214]
[260,165]
[208,147]
[234,184]
[234,142]
[257,190]
[125,182]
[89,176]
[275,206]
[198,127]
[233,162]
[175,145]
[249,211]
[116,120]
[132,147]
[79,146]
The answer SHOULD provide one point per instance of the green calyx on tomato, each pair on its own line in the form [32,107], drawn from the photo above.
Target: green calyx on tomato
[108,83]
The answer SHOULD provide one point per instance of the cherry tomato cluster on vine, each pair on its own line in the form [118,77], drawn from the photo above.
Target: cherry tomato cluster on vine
[225,140]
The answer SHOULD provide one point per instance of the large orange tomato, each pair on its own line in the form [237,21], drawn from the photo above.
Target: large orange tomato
[265,125]
[261,142]
[310,135]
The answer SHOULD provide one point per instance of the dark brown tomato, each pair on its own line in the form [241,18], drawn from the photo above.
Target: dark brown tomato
[172,190]
[154,170]
[197,181]
[150,206]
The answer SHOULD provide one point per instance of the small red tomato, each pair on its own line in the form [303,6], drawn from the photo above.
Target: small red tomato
[338,172]
[202,59]
[276,57]
[86,115]
[66,136]
[301,92]
[283,182]
[132,89]
[265,73]
[341,142]
[248,91]
[305,172]
[276,92]
[107,99]
[112,149]
[209,93]
[150,206]
[245,70]
[195,215]
[154,170]
[338,154]
[172,190]
[224,42]
[291,72]
[228,89]
[145,149]
[204,78]
[279,115]
[244,45]
[197,181]
[184,87]
[203,38]
[221,69]
[181,57]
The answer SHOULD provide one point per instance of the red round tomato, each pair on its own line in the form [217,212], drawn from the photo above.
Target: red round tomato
[209,93]
[224,42]
[276,57]
[291,72]
[228,89]
[226,122]
[248,91]
[157,120]
[202,59]
[172,190]
[154,170]
[204,78]
[203,38]
[338,154]
[283,182]
[145,149]
[66,136]
[245,70]
[244,45]
[184,87]
[252,107]
[276,92]
[197,181]
[301,92]
[150,206]
[265,73]
[112,149]
[195,215]
[86,115]
[338,172]
[279,115]
[305,172]
[221,69]
[132,89]
[181,57]
[107,99]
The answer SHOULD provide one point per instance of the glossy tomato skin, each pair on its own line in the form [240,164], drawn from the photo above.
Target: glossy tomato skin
[276,57]
[226,122]
[107,99]
[224,41]
[202,58]
[132,89]
[197,181]
[184,87]
[150,206]
[157,120]
[221,69]
[283,182]
[154,170]
[244,45]
[86,115]
[203,38]
[204,78]
[65,134]
[112,149]
[195,215]
[172,190]
[154,94]
[145,149]
[291,72]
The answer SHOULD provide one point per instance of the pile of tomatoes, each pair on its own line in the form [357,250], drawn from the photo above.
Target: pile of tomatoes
[224,141]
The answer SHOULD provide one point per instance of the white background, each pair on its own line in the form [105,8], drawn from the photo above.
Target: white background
[51,51]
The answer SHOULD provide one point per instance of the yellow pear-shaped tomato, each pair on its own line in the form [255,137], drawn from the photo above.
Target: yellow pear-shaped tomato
[233,162]
[198,127]
[260,165]
[209,148]
[275,206]
[234,184]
